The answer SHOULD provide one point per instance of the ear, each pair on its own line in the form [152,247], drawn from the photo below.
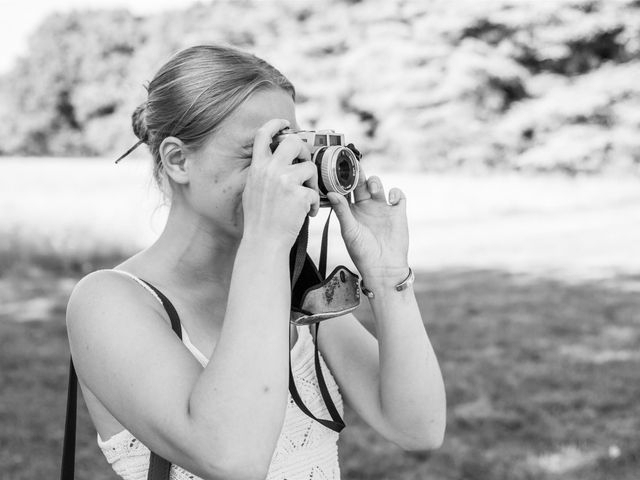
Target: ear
[174,160]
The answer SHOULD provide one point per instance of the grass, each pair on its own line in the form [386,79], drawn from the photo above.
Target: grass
[541,379]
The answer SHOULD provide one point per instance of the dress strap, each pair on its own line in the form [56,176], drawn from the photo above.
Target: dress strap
[144,284]
[168,306]
[202,359]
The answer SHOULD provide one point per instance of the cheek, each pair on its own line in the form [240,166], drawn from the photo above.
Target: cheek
[229,198]
[237,197]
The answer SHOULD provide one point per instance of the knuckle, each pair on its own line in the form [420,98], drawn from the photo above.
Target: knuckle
[273,176]
[279,175]
[290,142]
[311,172]
[304,168]
[287,179]
[262,132]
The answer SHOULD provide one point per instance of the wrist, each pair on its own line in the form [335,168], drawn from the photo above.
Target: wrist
[387,276]
[254,242]
[377,287]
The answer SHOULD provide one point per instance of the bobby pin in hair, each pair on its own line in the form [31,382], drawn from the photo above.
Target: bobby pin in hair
[129,151]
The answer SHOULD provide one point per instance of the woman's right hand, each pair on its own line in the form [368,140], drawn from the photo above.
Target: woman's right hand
[278,193]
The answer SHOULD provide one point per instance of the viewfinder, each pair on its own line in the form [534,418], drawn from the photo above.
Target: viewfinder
[320,141]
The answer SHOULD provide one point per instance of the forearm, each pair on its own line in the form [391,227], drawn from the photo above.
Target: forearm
[412,395]
[240,399]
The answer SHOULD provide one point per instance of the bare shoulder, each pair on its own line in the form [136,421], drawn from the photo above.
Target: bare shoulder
[103,283]
[110,315]
[126,354]
[105,291]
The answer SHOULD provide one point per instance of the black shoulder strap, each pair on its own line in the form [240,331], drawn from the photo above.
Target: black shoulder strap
[69,444]
[170,309]
[159,468]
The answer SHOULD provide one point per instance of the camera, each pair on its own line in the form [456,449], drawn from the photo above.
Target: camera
[338,164]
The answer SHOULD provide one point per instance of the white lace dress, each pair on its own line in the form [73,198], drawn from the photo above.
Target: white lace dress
[305,450]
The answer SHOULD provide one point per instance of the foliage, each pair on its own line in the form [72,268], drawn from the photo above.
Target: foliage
[541,86]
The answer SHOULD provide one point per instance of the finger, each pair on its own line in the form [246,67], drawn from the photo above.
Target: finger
[265,134]
[313,201]
[397,198]
[376,189]
[343,211]
[361,193]
[291,148]
[312,180]
[304,173]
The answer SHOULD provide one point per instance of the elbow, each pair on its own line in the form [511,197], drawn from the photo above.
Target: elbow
[216,458]
[232,466]
[425,439]
[232,472]
[228,457]
[431,441]
[423,444]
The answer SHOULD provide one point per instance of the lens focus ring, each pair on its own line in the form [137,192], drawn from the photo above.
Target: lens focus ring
[339,169]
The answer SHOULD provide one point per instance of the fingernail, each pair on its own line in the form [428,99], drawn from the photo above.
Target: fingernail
[393,197]
[374,187]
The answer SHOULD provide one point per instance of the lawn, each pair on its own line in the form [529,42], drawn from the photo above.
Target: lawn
[541,377]
[530,289]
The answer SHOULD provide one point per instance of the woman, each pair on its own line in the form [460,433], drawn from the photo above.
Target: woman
[216,405]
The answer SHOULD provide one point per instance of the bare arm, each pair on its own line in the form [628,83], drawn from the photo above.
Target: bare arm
[395,384]
[220,422]
[223,421]
[412,396]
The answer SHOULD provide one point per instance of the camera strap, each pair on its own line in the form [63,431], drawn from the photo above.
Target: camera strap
[300,259]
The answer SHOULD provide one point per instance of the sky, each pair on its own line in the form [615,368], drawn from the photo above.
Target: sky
[18,18]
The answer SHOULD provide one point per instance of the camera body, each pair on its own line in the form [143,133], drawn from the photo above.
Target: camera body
[338,164]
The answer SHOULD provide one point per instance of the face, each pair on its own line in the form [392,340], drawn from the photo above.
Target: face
[218,170]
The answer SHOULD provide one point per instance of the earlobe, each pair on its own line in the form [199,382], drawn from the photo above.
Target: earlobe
[173,155]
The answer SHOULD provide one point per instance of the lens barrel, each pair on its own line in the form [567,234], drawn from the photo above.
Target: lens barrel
[339,169]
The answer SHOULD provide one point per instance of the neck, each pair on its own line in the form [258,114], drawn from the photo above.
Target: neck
[198,256]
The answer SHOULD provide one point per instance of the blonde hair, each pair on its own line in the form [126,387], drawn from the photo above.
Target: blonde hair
[195,91]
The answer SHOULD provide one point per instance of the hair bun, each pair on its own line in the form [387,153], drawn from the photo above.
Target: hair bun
[139,122]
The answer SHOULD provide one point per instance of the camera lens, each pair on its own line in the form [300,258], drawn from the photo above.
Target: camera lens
[338,168]
[344,171]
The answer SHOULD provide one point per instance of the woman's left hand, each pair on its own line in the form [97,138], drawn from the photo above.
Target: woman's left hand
[375,231]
